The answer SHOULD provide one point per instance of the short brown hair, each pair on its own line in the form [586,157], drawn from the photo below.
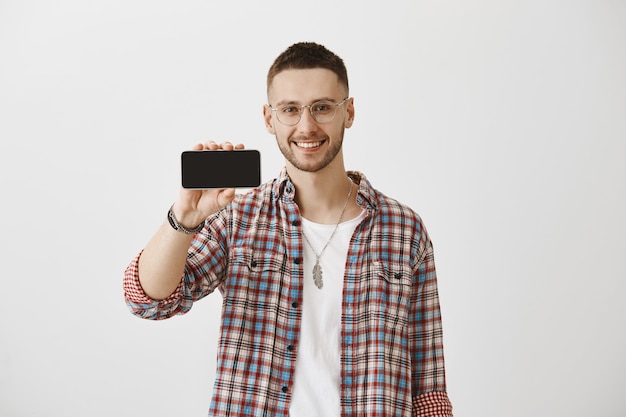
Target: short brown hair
[305,55]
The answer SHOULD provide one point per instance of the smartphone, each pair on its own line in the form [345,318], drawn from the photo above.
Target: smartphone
[221,169]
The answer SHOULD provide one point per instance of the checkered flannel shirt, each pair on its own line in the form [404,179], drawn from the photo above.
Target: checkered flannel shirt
[391,337]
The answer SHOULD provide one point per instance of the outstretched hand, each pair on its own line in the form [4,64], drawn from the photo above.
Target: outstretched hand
[194,206]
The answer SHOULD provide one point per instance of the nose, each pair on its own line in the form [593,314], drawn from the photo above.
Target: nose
[307,123]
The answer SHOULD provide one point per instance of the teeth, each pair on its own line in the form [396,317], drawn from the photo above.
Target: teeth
[308,144]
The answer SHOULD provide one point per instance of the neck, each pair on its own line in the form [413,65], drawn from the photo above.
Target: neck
[322,195]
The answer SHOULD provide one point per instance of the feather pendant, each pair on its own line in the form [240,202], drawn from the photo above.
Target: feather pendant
[317,275]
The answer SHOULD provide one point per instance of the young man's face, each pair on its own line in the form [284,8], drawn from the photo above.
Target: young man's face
[308,145]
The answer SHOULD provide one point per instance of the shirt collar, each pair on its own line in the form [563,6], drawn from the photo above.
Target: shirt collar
[367,196]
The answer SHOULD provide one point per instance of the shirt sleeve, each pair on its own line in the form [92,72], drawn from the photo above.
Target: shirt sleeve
[205,268]
[432,404]
[145,307]
[426,337]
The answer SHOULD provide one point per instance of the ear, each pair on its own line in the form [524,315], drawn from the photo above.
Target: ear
[350,110]
[269,119]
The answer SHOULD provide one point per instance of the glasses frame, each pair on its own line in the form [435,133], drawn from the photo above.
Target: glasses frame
[310,107]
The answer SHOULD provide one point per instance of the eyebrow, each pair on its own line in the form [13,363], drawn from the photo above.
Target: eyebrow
[280,103]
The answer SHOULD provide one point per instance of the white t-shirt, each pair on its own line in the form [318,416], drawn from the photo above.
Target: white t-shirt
[318,364]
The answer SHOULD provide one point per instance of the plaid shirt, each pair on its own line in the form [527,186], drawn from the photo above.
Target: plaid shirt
[391,338]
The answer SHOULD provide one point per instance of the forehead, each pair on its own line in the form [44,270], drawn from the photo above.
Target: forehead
[304,85]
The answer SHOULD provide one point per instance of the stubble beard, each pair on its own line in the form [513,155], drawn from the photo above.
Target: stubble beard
[330,155]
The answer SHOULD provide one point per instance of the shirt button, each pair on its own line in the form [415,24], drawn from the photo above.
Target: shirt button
[294,304]
[290,348]
[298,261]
[284,389]
[295,222]
[253,264]
[398,275]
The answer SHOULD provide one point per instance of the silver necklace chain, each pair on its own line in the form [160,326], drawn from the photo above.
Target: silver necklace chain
[317,269]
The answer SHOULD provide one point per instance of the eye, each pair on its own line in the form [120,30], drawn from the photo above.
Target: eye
[288,109]
[322,106]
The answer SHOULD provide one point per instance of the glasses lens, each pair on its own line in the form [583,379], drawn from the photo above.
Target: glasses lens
[323,111]
[288,114]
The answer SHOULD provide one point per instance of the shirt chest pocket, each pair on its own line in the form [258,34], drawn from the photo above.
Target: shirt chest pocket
[388,289]
[254,280]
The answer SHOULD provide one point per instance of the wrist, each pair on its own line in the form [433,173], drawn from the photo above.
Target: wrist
[179,227]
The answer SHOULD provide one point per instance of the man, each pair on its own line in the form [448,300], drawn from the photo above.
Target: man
[330,304]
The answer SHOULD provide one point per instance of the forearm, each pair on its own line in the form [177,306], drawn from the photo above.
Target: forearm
[162,262]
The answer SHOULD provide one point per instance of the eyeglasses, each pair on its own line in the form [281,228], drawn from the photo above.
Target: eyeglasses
[323,111]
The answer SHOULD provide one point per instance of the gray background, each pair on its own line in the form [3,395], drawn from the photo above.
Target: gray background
[501,122]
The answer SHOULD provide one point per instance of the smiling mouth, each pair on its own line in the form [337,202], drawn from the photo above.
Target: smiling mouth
[308,145]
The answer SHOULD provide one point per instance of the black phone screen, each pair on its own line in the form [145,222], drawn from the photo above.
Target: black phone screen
[221,169]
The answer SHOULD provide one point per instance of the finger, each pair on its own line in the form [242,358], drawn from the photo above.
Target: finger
[225,197]
[227,146]
[211,145]
[239,146]
[197,147]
